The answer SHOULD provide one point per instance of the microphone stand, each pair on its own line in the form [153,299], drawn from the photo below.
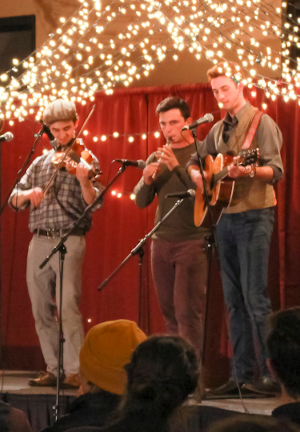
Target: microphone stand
[23,168]
[60,343]
[138,249]
[211,240]
[62,249]
[86,211]
[205,193]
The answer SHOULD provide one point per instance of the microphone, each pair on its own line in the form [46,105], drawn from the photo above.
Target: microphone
[186,194]
[138,164]
[8,136]
[53,141]
[206,119]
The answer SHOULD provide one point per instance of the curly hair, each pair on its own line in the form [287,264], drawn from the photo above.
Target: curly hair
[163,371]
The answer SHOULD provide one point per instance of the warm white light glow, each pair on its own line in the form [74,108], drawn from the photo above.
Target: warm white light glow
[82,57]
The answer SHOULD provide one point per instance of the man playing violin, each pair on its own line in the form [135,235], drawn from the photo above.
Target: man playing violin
[245,228]
[52,214]
[178,259]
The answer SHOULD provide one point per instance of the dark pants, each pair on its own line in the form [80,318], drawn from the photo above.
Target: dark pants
[179,271]
[244,244]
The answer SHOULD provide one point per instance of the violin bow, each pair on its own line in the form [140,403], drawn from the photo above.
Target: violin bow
[68,151]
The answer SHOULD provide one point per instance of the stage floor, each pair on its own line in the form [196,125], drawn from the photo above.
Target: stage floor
[16,382]
[262,406]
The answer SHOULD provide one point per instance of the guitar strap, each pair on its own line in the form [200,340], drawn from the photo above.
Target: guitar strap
[250,135]
[234,145]
[252,130]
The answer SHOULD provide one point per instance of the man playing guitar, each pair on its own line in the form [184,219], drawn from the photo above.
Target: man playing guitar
[245,228]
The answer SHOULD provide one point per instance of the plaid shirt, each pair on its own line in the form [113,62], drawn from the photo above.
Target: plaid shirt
[49,214]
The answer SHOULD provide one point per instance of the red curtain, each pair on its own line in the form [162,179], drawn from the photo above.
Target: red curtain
[119,225]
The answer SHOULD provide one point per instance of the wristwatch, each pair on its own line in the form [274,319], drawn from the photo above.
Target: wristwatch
[252,172]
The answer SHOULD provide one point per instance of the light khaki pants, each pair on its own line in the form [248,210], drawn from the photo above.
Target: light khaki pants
[43,285]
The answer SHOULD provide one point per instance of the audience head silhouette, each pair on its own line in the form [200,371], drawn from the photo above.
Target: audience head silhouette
[284,349]
[163,371]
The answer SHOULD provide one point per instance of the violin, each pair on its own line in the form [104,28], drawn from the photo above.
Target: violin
[75,152]
[78,154]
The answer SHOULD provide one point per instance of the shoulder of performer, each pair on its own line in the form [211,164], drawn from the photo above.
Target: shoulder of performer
[266,120]
[268,126]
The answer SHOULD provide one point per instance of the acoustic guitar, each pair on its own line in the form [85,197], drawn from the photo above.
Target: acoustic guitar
[219,186]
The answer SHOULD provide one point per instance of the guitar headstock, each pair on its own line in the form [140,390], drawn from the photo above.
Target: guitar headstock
[249,157]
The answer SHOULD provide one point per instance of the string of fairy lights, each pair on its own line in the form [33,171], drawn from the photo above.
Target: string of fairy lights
[102,48]
[131,137]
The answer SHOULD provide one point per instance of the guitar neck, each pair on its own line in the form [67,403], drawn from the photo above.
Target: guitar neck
[224,172]
[245,158]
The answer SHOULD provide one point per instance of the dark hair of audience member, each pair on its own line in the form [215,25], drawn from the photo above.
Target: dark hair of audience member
[162,373]
[284,349]
[173,102]
[252,423]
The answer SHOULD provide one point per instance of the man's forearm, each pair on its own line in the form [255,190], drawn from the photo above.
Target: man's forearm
[88,192]
[194,173]
[264,173]
[144,194]
[19,199]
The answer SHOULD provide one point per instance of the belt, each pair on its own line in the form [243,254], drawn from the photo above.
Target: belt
[54,233]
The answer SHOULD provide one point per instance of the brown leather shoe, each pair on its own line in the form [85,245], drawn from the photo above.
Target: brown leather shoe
[45,379]
[71,381]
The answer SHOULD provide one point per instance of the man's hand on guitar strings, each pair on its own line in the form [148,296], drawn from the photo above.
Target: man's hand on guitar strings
[236,170]
[196,178]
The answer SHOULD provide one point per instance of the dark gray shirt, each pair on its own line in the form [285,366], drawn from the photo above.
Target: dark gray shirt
[180,225]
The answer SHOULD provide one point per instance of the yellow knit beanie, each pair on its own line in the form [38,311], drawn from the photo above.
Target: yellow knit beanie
[106,349]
